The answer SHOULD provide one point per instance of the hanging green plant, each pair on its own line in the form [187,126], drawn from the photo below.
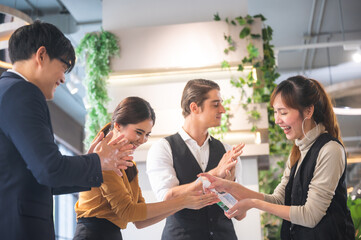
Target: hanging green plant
[218,132]
[262,87]
[97,48]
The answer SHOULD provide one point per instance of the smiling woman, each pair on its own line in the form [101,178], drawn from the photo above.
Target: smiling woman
[311,197]
[103,211]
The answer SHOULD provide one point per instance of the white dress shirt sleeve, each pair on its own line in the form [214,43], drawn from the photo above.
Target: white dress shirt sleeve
[160,170]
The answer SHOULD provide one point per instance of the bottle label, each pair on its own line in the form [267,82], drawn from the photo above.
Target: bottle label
[223,206]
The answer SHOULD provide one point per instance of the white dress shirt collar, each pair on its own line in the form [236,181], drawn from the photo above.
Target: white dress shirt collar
[186,138]
[17,73]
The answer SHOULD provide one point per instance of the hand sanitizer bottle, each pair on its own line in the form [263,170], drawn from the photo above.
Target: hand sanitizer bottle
[227,200]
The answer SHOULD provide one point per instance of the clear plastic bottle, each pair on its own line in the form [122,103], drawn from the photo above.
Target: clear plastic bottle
[227,200]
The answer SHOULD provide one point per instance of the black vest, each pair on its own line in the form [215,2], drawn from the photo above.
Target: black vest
[337,223]
[208,222]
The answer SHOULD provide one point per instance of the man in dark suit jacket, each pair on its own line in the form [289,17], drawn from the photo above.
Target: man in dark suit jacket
[31,167]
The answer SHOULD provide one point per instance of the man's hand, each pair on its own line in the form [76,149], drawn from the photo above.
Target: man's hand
[114,154]
[225,167]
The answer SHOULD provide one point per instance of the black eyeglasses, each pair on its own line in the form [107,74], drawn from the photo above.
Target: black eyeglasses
[68,65]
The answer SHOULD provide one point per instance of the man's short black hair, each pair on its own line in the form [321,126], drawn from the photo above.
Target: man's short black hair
[26,40]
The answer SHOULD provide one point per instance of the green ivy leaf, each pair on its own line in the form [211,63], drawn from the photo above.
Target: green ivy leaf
[240,67]
[216,17]
[249,19]
[245,32]
[225,64]
[256,115]
[260,16]
[254,128]
[246,60]
[241,79]
[241,21]
[255,36]
[252,51]
[257,65]
[229,40]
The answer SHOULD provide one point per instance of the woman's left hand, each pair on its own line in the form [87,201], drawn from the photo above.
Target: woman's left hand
[240,209]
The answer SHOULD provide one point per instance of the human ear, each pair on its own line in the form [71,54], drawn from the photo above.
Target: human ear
[117,126]
[309,111]
[193,107]
[40,55]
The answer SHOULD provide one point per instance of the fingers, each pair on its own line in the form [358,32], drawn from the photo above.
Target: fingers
[230,214]
[95,142]
[229,166]
[228,174]
[118,172]
[210,198]
[240,216]
[238,147]
[233,211]
[108,136]
[210,177]
[237,151]
[124,147]
[118,140]
[125,162]
[204,200]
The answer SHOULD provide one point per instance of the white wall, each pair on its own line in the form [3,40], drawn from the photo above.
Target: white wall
[119,14]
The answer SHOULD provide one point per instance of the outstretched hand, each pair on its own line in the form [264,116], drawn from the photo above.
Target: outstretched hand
[226,166]
[239,210]
[198,200]
[221,185]
[114,154]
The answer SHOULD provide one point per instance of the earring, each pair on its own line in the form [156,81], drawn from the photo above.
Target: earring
[303,129]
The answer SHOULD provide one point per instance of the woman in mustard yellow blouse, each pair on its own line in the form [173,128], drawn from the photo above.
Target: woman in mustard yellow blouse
[103,211]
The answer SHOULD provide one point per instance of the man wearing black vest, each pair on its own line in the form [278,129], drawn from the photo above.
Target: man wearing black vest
[174,162]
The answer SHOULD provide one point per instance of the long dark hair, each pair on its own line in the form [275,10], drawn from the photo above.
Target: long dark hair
[131,110]
[299,93]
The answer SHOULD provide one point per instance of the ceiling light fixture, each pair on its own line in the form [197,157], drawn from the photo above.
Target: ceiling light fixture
[13,20]
[347,111]
[357,56]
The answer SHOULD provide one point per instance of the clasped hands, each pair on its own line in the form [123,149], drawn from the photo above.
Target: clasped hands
[114,154]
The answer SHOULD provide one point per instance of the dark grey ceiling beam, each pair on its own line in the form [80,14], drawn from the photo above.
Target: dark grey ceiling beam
[318,29]
[63,9]
[309,31]
[37,11]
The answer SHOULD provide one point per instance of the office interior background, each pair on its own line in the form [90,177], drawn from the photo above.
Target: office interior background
[320,39]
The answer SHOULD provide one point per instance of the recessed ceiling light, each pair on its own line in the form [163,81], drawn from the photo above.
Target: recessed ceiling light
[347,111]
[357,56]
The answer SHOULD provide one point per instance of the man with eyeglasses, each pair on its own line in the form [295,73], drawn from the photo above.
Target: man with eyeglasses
[31,167]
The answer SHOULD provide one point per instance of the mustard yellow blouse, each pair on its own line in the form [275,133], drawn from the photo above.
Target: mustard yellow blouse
[116,200]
